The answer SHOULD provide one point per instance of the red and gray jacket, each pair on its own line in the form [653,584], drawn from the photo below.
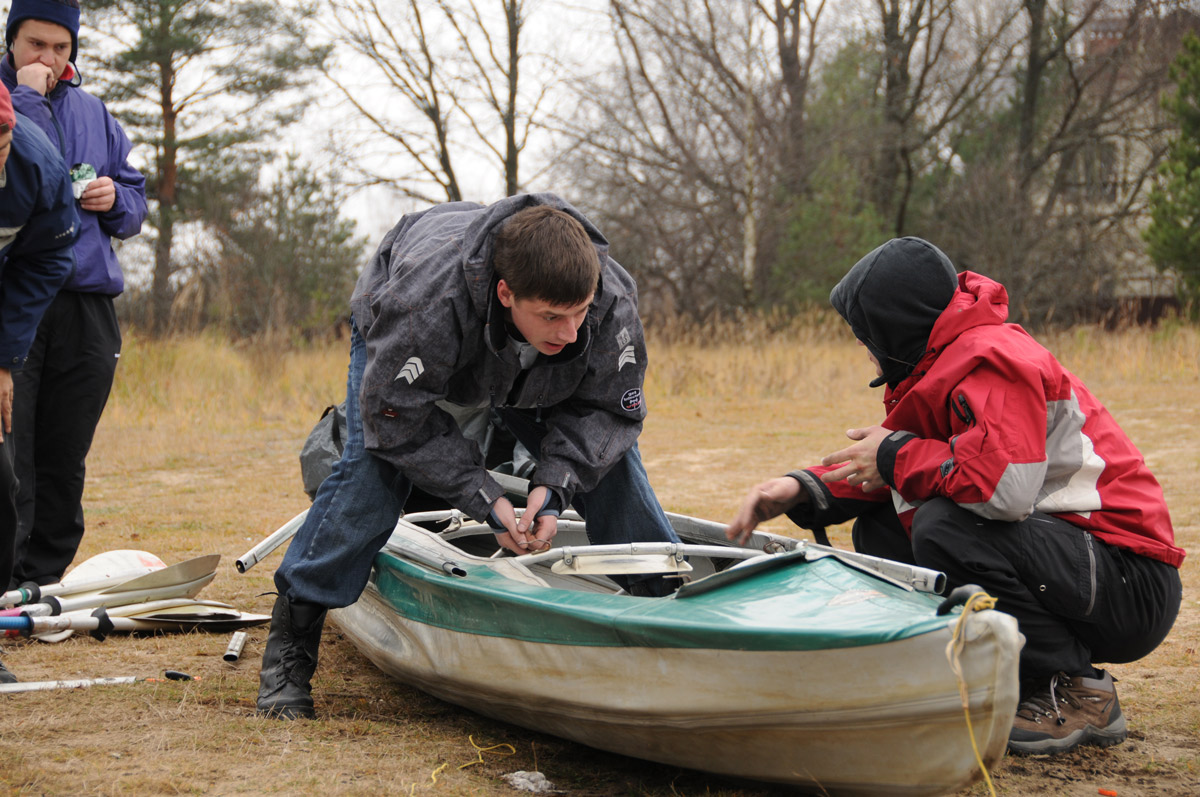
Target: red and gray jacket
[988,418]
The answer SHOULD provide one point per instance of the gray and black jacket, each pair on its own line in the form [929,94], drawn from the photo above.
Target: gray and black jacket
[426,306]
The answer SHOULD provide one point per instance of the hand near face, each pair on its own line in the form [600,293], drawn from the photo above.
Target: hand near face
[38,77]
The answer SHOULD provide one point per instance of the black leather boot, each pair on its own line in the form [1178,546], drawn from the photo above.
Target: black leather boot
[290,660]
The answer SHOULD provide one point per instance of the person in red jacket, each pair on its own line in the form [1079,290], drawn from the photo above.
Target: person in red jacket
[997,466]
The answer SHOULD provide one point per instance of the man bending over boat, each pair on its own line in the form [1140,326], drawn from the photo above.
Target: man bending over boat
[996,465]
[516,307]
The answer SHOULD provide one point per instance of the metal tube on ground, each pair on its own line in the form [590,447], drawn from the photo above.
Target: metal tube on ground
[236,643]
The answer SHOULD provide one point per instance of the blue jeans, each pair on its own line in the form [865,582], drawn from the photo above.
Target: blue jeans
[329,560]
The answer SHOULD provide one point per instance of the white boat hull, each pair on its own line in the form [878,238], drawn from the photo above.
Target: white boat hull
[882,719]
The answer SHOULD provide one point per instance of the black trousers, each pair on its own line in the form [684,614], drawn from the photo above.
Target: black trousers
[8,511]
[59,397]
[1077,599]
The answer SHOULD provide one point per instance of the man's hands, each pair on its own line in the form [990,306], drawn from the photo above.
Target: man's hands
[6,401]
[530,534]
[856,463]
[763,502]
[38,77]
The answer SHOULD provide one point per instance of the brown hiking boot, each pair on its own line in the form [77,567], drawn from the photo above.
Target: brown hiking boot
[1070,711]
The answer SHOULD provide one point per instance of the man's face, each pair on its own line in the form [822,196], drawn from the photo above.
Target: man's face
[42,42]
[875,362]
[548,328]
[5,147]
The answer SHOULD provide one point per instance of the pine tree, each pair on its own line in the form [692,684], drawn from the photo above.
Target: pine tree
[1174,231]
[208,85]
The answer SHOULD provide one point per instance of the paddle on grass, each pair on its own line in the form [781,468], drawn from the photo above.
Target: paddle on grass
[184,579]
[97,573]
[177,614]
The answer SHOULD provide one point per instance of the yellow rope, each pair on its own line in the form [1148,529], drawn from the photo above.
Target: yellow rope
[954,648]
[481,750]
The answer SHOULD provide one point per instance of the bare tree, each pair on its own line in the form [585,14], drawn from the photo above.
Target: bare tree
[682,148]
[1074,155]
[439,83]
[938,61]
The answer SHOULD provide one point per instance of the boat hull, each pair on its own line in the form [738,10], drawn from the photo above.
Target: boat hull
[839,718]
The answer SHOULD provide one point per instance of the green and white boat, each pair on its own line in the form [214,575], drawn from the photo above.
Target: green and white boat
[784,661]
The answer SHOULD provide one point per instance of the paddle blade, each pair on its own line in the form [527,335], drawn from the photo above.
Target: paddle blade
[99,572]
[122,564]
[183,572]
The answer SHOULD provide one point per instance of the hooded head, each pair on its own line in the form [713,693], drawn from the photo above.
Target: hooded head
[59,12]
[891,299]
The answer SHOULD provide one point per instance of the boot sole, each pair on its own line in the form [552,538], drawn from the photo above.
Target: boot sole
[1114,734]
[286,712]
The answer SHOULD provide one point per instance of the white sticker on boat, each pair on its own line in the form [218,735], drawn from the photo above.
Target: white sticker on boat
[853,596]
[413,368]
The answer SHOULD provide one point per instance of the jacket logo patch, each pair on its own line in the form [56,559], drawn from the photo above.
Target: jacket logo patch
[413,368]
[623,337]
[627,358]
[631,401]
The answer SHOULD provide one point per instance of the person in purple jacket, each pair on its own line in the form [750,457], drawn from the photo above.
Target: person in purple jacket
[38,228]
[62,390]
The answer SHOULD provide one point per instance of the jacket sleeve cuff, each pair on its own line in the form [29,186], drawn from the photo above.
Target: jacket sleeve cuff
[885,457]
[480,505]
[557,479]
[805,513]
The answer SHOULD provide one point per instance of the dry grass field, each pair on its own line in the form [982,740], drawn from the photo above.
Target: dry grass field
[197,453]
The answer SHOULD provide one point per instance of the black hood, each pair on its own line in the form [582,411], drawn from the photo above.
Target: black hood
[891,299]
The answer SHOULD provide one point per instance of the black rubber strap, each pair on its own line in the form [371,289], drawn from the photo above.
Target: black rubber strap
[106,624]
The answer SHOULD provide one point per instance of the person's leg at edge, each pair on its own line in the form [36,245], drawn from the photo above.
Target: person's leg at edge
[1067,589]
[621,509]
[328,562]
[8,526]
[62,399]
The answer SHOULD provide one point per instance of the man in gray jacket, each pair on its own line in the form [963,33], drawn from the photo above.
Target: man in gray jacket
[516,308]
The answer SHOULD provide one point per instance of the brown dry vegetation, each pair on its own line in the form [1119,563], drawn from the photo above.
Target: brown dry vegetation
[197,454]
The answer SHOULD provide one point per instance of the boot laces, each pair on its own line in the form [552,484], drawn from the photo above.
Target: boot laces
[1044,703]
[295,659]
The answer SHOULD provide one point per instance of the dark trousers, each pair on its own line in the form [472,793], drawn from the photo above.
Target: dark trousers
[1077,599]
[8,511]
[59,396]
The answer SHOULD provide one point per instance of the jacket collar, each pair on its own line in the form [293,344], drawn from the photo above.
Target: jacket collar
[978,302]
[495,331]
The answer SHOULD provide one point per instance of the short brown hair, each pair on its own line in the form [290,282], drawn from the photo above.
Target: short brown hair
[544,253]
